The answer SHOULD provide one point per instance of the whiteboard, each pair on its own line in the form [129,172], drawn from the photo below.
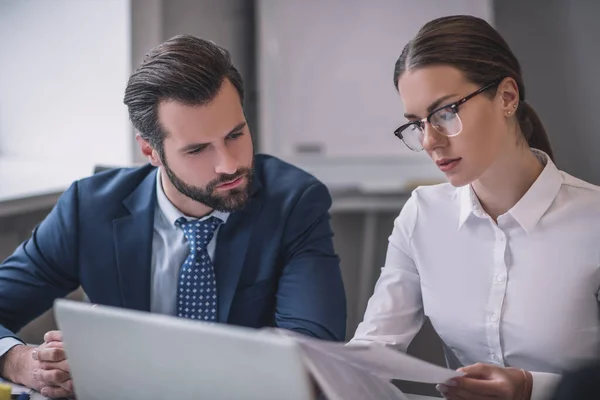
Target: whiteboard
[325,77]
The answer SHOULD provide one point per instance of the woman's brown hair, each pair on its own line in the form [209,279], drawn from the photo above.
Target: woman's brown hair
[474,47]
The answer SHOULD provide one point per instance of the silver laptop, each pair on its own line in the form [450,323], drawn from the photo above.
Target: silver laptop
[130,355]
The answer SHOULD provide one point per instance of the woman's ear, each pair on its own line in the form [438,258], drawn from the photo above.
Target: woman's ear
[509,96]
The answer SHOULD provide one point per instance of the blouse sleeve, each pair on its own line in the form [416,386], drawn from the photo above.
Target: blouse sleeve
[394,313]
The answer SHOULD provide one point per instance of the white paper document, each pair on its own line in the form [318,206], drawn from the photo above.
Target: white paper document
[340,381]
[363,372]
[388,363]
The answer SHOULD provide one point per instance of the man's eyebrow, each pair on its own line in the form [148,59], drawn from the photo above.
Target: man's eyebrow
[194,146]
[237,128]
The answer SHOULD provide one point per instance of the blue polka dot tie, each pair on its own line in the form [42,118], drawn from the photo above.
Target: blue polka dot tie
[197,288]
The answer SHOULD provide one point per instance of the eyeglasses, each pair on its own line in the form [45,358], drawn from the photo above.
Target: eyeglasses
[445,120]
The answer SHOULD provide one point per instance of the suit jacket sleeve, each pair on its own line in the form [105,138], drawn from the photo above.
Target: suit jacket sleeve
[42,268]
[311,297]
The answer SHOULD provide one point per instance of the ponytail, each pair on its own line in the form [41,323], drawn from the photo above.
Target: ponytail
[532,129]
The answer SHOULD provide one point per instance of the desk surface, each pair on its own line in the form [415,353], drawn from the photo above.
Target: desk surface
[37,396]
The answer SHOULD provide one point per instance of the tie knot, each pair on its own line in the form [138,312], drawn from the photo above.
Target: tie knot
[198,232]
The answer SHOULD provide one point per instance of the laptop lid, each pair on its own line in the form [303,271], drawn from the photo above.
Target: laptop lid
[131,355]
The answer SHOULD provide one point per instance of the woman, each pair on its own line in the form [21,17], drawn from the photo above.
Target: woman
[504,259]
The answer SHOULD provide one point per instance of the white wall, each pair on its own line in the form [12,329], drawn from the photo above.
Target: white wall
[64,65]
[327,99]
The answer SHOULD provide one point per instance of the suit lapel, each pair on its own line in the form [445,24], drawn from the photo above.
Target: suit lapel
[232,245]
[133,245]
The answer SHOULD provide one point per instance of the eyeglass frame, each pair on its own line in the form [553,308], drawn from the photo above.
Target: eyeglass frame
[453,107]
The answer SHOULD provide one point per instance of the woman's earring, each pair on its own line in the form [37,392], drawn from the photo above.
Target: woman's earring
[510,112]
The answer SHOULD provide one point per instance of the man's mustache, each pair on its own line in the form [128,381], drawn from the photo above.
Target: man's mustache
[224,178]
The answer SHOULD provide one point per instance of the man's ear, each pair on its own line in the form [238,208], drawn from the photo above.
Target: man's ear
[148,151]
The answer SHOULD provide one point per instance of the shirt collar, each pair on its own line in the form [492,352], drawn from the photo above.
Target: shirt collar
[538,199]
[531,207]
[469,204]
[172,213]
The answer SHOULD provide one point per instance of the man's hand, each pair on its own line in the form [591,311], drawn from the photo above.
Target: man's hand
[489,382]
[53,373]
[44,368]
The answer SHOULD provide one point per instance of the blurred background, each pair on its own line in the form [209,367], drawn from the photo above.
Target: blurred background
[318,77]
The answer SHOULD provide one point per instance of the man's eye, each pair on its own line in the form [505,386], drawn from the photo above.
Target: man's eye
[234,136]
[196,150]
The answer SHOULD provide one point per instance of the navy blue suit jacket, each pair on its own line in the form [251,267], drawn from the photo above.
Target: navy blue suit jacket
[274,261]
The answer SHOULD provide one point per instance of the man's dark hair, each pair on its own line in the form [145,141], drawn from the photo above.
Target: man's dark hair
[185,69]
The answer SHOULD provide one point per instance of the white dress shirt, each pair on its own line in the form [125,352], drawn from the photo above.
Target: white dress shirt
[169,250]
[524,292]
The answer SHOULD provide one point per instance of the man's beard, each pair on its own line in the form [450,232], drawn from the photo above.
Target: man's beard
[232,200]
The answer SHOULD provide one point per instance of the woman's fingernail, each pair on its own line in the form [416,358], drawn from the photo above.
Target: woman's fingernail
[451,383]
[441,388]
[44,392]
[34,354]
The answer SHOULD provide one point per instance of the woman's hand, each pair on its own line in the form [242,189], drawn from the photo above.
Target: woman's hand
[484,381]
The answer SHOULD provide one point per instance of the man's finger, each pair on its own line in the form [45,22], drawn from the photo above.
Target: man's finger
[51,377]
[53,345]
[62,365]
[67,385]
[54,392]
[53,354]
[35,352]
[53,336]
